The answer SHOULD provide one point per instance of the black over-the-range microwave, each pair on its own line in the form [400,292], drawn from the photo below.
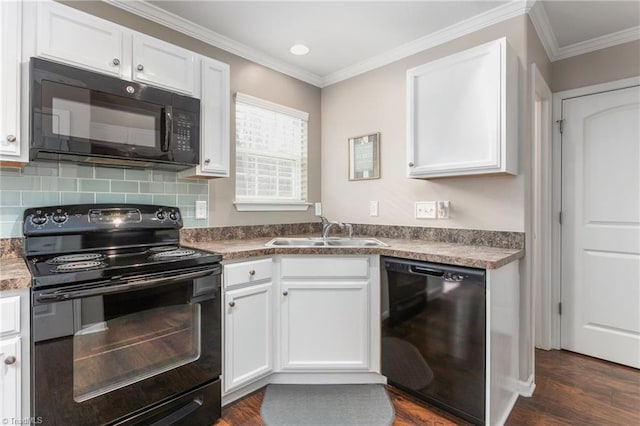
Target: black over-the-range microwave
[83,116]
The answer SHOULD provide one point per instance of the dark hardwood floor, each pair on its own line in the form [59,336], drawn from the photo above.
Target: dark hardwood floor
[571,389]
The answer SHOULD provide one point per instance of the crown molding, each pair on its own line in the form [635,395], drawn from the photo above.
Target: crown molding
[184,26]
[475,23]
[540,21]
[514,8]
[613,39]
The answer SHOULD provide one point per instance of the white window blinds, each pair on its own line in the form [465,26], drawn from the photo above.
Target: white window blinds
[271,152]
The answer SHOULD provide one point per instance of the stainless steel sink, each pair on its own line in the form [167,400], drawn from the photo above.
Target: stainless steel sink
[319,242]
[355,242]
[295,242]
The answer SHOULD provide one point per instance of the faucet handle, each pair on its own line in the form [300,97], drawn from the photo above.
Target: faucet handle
[349,228]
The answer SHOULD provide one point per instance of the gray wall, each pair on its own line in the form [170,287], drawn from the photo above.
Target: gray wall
[610,64]
[375,102]
[252,79]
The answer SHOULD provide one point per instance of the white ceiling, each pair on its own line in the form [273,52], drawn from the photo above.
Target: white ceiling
[350,37]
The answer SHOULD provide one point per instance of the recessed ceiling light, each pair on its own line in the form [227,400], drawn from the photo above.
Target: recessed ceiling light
[299,49]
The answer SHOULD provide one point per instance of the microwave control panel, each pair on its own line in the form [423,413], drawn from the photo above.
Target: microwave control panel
[183,132]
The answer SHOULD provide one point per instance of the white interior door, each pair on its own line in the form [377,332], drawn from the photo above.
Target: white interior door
[601,225]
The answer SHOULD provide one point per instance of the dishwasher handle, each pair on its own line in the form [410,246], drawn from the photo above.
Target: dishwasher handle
[422,270]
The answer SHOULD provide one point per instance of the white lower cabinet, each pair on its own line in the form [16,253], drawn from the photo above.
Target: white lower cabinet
[319,314]
[14,356]
[248,334]
[248,322]
[324,313]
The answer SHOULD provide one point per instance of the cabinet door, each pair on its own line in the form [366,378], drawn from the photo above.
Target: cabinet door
[79,39]
[164,65]
[215,104]
[324,325]
[458,117]
[10,35]
[10,371]
[248,335]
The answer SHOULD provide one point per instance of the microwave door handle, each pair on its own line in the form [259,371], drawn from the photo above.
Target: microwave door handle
[167,121]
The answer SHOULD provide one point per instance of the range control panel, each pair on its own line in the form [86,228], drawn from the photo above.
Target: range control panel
[87,218]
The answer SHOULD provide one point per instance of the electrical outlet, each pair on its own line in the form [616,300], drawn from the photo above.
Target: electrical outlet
[201,209]
[318,207]
[425,210]
[443,210]
[373,208]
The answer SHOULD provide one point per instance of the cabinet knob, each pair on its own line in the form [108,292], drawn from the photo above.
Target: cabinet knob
[140,67]
[10,360]
[411,164]
[116,61]
[285,293]
[232,303]
[207,161]
[252,272]
[11,138]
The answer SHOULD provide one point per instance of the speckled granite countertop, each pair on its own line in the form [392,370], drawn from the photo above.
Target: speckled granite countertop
[15,275]
[432,251]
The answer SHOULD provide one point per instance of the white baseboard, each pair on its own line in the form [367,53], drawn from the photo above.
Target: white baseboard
[505,415]
[527,388]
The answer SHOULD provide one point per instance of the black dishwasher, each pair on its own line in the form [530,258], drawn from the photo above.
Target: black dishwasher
[433,334]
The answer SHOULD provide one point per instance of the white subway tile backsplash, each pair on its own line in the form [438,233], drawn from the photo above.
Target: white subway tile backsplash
[44,184]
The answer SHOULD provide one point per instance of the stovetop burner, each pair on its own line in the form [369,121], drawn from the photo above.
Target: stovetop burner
[173,254]
[77,257]
[161,249]
[79,266]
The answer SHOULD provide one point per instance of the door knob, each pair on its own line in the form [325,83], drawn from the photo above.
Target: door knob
[140,67]
[207,161]
[411,164]
[11,138]
[252,272]
[116,61]
[10,360]
[285,293]
[232,303]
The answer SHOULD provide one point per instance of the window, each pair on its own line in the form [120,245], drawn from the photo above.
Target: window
[271,155]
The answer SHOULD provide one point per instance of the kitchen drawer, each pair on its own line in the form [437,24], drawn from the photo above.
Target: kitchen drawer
[324,266]
[247,272]
[9,315]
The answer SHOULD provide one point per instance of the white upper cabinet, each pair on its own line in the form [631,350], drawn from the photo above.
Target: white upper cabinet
[162,64]
[214,126]
[462,113]
[10,39]
[68,35]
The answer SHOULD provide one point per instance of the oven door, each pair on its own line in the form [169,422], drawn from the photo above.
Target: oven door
[105,352]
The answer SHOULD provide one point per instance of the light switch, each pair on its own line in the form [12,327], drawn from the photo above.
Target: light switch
[443,210]
[318,207]
[201,209]
[425,210]
[373,208]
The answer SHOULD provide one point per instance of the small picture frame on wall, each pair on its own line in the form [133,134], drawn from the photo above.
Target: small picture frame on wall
[364,157]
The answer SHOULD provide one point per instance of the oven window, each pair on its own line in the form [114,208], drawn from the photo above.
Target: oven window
[114,347]
[76,112]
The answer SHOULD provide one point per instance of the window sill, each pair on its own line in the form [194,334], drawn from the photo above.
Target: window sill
[245,206]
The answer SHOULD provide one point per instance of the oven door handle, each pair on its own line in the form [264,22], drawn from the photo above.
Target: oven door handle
[127,285]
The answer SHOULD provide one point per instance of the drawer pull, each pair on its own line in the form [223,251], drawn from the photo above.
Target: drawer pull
[252,272]
[10,360]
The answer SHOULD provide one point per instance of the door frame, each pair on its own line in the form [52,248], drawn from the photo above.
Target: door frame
[555,284]
[541,217]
